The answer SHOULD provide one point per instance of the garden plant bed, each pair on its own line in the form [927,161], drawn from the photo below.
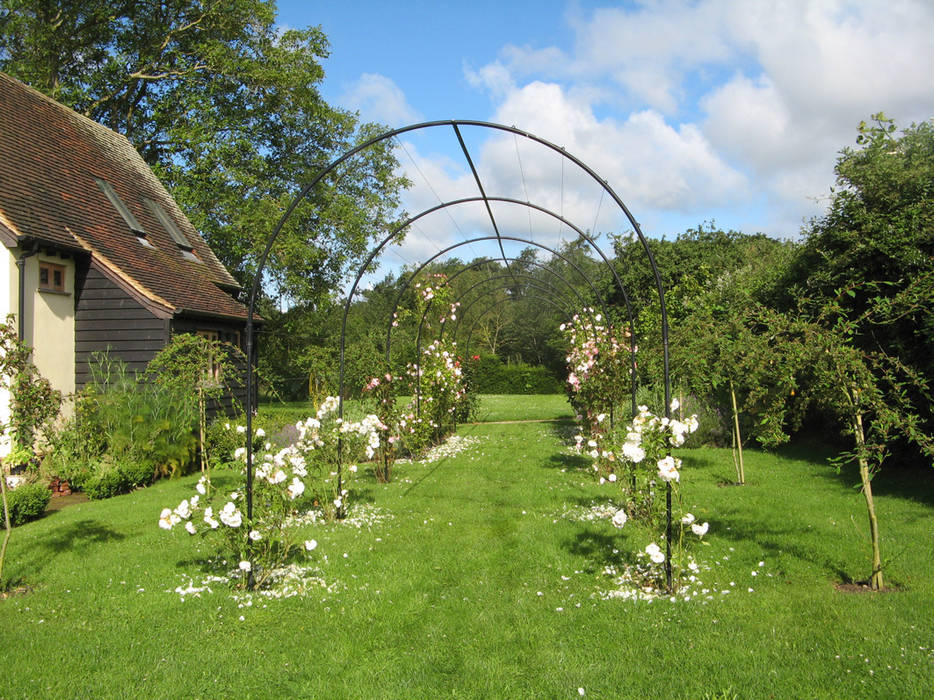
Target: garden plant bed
[485,575]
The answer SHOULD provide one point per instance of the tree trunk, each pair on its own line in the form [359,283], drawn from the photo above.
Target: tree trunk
[6,521]
[202,421]
[875,581]
[738,438]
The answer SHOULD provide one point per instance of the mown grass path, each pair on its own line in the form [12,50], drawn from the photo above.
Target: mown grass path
[470,581]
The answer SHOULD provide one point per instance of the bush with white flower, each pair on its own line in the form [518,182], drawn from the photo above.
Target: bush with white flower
[379,390]
[287,482]
[438,389]
[599,363]
[637,458]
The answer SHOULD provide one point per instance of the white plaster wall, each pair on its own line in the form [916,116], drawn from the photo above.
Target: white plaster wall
[50,324]
[8,303]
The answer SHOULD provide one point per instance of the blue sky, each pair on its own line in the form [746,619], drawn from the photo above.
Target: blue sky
[725,110]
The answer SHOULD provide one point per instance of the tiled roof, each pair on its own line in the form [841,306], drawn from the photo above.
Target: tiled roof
[49,159]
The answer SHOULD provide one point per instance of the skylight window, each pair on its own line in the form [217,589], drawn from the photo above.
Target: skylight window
[121,208]
[168,224]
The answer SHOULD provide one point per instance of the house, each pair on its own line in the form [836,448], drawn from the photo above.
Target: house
[96,254]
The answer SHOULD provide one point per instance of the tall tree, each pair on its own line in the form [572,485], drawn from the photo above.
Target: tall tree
[224,104]
[877,241]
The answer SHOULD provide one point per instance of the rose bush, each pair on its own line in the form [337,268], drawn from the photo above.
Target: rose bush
[287,482]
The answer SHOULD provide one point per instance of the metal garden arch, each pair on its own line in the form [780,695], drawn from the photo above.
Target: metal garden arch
[483,197]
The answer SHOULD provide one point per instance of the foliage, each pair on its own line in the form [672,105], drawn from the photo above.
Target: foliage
[198,372]
[870,393]
[222,439]
[122,419]
[33,405]
[114,475]
[700,259]
[27,502]
[877,241]
[224,104]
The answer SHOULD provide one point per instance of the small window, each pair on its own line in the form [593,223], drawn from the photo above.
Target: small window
[51,277]
[121,208]
[215,369]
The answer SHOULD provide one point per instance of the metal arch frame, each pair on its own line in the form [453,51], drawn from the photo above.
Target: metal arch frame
[532,283]
[513,276]
[413,275]
[502,277]
[455,125]
[541,266]
[418,270]
[512,299]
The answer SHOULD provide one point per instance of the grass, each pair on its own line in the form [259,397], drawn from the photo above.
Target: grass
[476,585]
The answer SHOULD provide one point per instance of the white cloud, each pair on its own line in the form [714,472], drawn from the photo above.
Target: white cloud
[723,109]
[379,99]
[722,99]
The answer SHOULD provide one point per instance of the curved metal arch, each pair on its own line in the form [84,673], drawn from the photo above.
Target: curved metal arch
[498,237]
[512,299]
[542,288]
[543,267]
[455,246]
[455,125]
[463,314]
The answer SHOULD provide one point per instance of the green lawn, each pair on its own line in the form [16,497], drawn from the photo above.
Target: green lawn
[475,583]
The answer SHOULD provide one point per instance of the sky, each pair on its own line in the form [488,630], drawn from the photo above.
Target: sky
[725,111]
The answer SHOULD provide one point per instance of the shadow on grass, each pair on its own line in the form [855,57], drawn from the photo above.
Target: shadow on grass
[564,429]
[436,466]
[910,482]
[77,537]
[781,542]
[568,462]
[81,535]
[600,549]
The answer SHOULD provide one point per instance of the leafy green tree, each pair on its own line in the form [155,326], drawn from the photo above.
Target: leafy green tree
[876,240]
[870,392]
[695,262]
[225,106]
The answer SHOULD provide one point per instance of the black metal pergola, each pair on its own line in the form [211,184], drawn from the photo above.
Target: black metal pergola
[487,200]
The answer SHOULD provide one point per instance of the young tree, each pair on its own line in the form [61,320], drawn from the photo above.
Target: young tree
[198,371]
[869,391]
[34,404]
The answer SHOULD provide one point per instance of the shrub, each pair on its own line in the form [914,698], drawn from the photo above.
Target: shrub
[221,441]
[490,375]
[113,477]
[123,421]
[27,502]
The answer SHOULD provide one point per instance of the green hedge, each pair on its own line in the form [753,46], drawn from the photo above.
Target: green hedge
[490,375]
[27,502]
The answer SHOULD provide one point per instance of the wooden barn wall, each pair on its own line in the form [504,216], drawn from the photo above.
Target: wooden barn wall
[107,318]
